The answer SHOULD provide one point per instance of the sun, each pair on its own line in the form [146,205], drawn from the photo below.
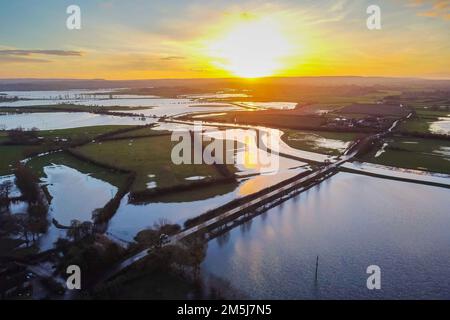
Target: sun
[251,49]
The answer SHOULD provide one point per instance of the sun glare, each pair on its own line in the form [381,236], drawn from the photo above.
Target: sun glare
[251,49]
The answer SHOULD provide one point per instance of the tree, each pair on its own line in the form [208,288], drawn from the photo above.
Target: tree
[28,184]
[21,136]
[78,230]
[5,189]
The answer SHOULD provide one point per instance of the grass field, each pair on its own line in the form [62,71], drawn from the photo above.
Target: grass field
[3,136]
[422,154]
[420,125]
[80,134]
[9,156]
[422,121]
[147,157]
[279,119]
[316,141]
[140,132]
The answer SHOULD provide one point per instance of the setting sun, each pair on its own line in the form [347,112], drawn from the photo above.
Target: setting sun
[251,49]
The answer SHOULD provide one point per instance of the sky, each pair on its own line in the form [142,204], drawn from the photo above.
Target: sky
[151,39]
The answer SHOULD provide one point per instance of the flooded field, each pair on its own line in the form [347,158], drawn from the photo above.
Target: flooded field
[442,126]
[74,196]
[65,120]
[350,222]
[269,105]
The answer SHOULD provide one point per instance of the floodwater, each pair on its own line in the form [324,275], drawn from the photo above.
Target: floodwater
[316,141]
[270,133]
[130,218]
[270,105]
[65,120]
[10,179]
[163,107]
[216,95]
[156,107]
[56,94]
[350,222]
[15,206]
[442,126]
[411,174]
[75,196]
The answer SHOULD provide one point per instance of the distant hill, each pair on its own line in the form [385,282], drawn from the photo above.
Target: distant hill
[65,84]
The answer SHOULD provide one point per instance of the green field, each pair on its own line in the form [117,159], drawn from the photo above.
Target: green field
[422,121]
[10,154]
[420,125]
[146,156]
[314,140]
[422,154]
[79,134]
[140,132]
[338,100]
[3,136]
[278,119]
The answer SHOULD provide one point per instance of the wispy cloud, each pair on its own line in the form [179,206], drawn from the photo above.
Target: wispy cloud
[19,59]
[173,58]
[63,53]
[432,8]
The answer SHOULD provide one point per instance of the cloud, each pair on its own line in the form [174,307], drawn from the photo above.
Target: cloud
[18,59]
[173,58]
[62,53]
[33,56]
[432,8]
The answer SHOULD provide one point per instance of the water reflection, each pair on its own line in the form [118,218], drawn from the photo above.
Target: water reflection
[65,120]
[130,219]
[75,195]
[350,222]
[442,126]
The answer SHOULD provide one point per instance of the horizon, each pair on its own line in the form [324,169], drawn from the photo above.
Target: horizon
[232,78]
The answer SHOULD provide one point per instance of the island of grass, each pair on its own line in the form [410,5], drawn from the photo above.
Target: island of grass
[150,159]
[324,142]
[413,153]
